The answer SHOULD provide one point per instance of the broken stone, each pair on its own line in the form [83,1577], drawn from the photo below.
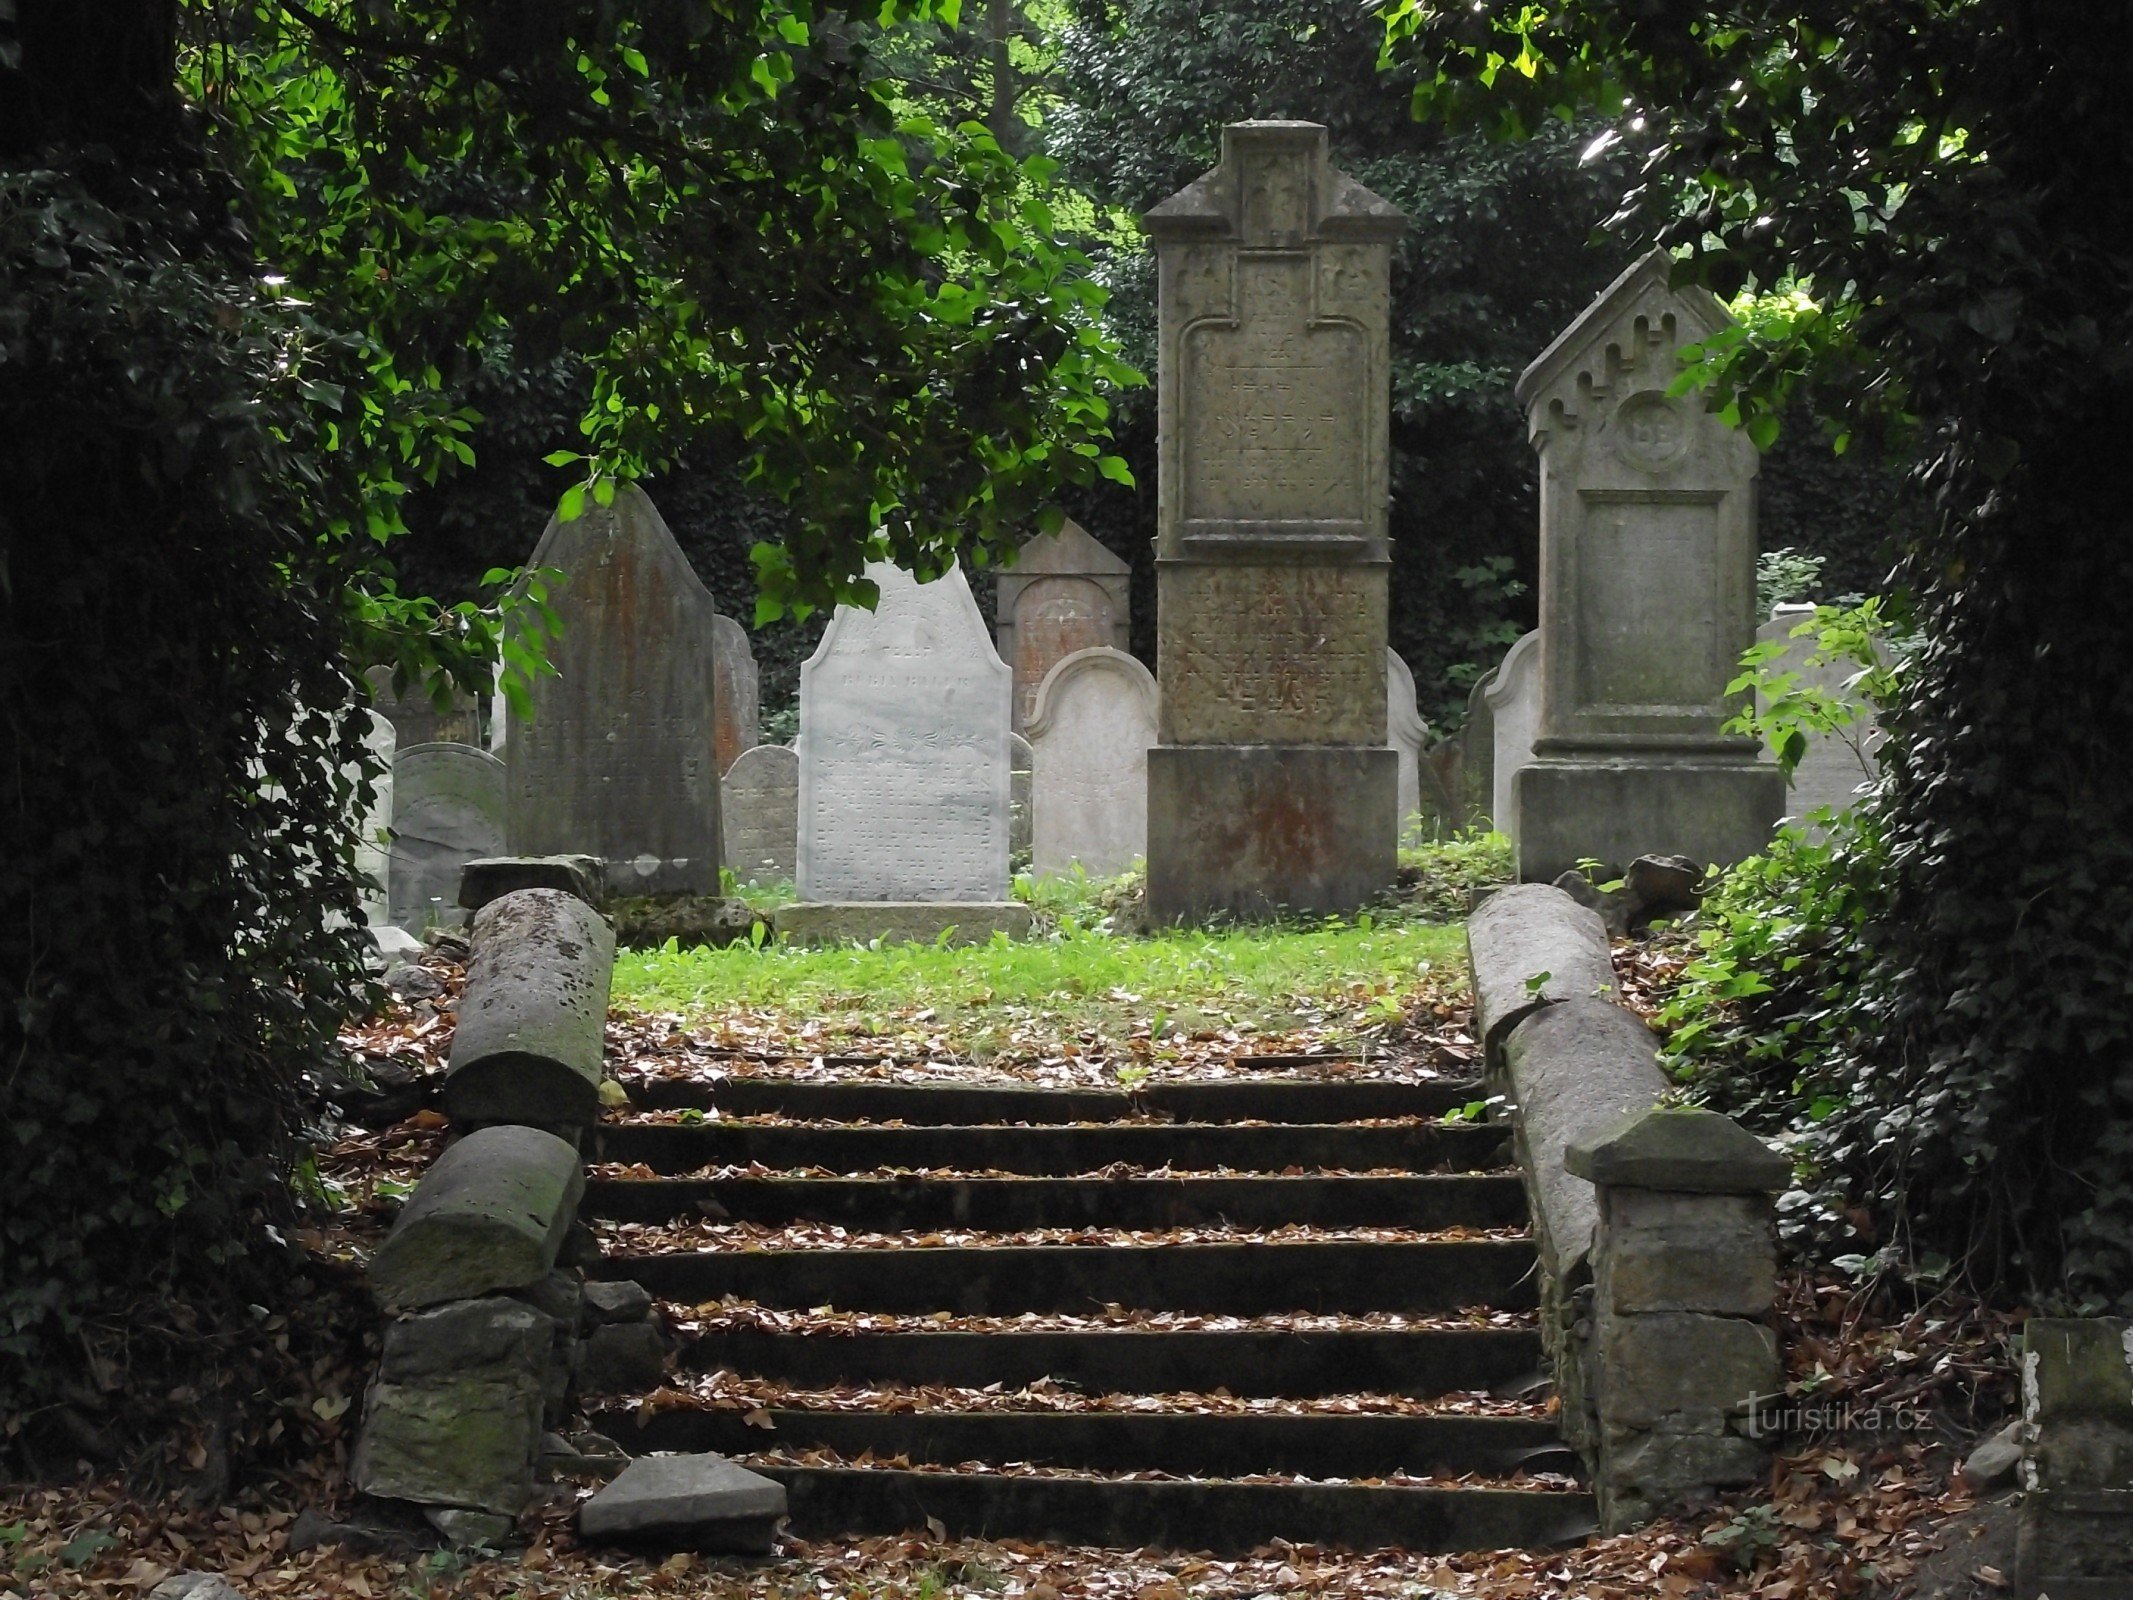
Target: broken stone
[194,1586]
[493,877]
[693,1502]
[470,1441]
[1661,886]
[1995,1460]
[462,1337]
[490,1215]
[1665,1251]
[584,1454]
[617,1301]
[408,982]
[468,1530]
[622,1358]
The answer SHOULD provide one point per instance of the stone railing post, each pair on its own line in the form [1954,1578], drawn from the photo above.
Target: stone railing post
[1684,1263]
[2076,1532]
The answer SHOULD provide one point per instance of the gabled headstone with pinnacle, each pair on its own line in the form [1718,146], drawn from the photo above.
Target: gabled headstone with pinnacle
[1064,593]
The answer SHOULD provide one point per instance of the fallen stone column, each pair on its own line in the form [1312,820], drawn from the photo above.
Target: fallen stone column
[532,1019]
[2075,1538]
[1517,935]
[489,1216]
[1684,1263]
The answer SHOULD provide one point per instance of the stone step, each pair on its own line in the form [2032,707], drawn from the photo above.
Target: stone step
[1422,1361]
[1225,1518]
[1416,1147]
[1185,1443]
[1493,1200]
[1241,1279]
[945,1104]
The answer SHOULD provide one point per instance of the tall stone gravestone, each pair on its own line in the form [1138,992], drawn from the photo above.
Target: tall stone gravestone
[1090,736]
[1064,593]
[448,809]
[618,760]
[417,719]
[738,722]
[903,751]
[1647,595]
[1836,764]
[1514,701]
[1271,787]
[761,813]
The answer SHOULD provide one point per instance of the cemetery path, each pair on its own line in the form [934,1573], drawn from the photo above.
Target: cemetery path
[1233,1304]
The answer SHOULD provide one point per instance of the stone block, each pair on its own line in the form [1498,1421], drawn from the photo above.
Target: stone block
[618,1301]
[904,922]
[469,1441]
[2074,1545]
[622,1358]
[1261,830]
[1524,932]
[533,1018]
[1683,1148]
[489,1215]
[1572,1067]
[2078,1369]
[465,1336]
[1701,1369]
[493,877]
[1715,812]
[471,1530]
[1661,1251]
[695,1502]
[1649,1474]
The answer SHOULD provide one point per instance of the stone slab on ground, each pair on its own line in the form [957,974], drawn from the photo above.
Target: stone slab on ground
[904,921]
[692,1502]
[488,1216]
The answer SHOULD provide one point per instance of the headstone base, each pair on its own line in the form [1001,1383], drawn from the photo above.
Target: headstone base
[1714,811]
[1254,831]
[903,921]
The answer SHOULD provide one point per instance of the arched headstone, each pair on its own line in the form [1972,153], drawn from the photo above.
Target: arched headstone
[1513,698]
[1064,593]
[1094,723]
[448,809]
[762,814]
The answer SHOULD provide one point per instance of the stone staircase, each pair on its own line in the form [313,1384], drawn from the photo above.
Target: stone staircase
[1203,1315]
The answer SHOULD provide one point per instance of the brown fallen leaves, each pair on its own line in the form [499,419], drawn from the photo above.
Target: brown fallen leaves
[641,1238]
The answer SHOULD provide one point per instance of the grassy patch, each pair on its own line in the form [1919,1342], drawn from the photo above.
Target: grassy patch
[1343,973]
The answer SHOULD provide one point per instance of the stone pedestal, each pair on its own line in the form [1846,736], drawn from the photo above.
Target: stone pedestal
[1272,787]
[2075,1540]
[1647,595]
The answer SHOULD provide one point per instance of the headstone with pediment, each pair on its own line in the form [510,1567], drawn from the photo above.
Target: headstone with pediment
[1272,788]
[1064,593]
[416,716]
[904,750]
[618,759]
[1095,722]
[1647,595]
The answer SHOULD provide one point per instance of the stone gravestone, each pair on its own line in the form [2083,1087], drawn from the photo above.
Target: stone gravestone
[1094,724]
[904,766]
[738,725]
[761,798]
[415,717]
[1425,808]
[1477,761]
[618,759]
[1019,815]
[448,809]
[1064,593]
[1513,697]
[1836,764]
[1271,787]
[374,830]
[1647,595]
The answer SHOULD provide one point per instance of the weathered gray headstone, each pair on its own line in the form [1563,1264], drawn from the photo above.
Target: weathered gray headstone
[762,814]
[903,747]
[1271,788]
[416,718]
[1093,726]
[619,759]
[448,809]
[374,834]
[1477,762]
[1647,595]
[739,719]
[1514,701]
[1426,807]
[1064,593]
[1020,817]
[1836,764]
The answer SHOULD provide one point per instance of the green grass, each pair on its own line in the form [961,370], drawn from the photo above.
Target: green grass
[1336,976]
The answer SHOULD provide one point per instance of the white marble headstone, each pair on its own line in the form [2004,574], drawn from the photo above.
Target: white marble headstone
[448,809]
[1835,766]
[1514,698]
[904,758]
[1408,735]
[760,797]
[1094,720]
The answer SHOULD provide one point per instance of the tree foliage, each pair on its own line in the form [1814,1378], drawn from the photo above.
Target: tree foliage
[1933,198]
